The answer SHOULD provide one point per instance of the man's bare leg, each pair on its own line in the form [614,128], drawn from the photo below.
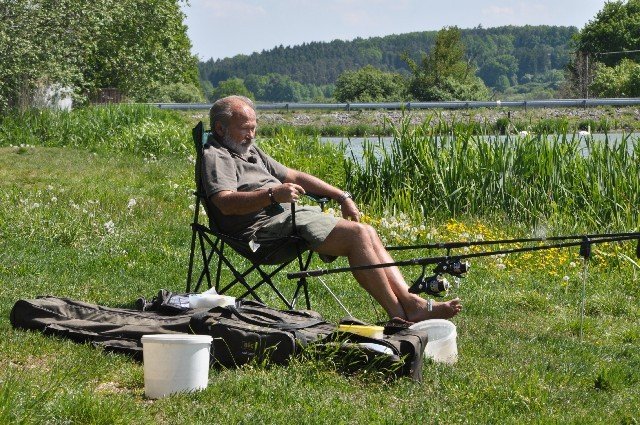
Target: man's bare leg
[415,307]
[361,245]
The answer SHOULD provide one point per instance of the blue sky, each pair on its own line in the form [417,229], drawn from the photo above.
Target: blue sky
[225,28]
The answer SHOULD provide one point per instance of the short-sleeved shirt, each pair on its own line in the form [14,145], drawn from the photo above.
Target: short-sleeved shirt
[225,170]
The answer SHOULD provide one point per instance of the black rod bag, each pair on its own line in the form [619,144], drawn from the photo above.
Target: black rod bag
[246,332]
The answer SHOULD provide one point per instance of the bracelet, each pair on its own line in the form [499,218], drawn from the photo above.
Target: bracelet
[271,197]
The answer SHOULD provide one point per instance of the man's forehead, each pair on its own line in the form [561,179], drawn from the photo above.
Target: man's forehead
[243,112]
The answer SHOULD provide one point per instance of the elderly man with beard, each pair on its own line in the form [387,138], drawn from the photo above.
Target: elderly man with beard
[249,197]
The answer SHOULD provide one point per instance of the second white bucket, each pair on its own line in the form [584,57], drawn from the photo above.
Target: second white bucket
[175,363]
[442,344]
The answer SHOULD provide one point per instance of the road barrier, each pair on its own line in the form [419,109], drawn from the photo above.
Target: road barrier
[550,103]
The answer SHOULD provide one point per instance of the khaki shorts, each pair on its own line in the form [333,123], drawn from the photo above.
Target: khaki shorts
[312,225]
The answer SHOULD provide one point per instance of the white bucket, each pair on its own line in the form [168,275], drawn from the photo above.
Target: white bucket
[175,363]
[442,344]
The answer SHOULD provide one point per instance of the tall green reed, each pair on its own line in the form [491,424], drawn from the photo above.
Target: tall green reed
[443,170]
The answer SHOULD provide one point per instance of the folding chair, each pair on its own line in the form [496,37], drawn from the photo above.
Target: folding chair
[214,244]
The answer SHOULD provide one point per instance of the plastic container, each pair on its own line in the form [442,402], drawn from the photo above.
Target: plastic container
[210,300]
[376,332]
[175,363]
[442,344]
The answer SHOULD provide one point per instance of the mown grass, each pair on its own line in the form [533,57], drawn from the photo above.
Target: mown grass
[69,227]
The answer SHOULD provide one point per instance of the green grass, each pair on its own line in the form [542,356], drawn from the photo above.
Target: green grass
[521,357]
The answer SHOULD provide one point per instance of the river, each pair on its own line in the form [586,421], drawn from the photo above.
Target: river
[354,145]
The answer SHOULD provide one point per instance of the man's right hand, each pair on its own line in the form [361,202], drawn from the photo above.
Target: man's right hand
[288,192]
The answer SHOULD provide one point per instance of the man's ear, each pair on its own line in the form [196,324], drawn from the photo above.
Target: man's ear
[219,128]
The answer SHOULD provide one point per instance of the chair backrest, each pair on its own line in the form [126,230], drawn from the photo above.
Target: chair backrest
[200,137]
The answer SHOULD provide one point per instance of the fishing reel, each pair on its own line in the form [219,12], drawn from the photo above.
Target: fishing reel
[437,285]
[455,268]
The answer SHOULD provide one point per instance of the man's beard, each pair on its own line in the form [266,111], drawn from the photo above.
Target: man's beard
[237,147]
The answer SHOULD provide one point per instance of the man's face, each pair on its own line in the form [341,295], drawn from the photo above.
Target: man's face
[241,131]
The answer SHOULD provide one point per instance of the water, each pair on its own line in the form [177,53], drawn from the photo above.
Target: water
[354,145]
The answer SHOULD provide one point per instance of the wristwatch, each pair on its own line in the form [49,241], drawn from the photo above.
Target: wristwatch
[345,195]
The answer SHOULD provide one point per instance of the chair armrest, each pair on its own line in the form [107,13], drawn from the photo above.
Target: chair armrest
[321,200]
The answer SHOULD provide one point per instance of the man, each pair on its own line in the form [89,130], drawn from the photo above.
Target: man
[250,195]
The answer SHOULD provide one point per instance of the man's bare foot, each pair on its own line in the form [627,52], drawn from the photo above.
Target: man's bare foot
[440,310]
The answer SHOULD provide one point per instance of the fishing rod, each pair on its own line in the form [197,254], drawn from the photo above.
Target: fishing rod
[463,244]
[455,266]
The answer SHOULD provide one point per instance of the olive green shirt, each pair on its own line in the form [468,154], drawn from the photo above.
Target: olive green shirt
[226,170]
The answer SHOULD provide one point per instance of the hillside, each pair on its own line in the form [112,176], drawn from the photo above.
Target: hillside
[518,53]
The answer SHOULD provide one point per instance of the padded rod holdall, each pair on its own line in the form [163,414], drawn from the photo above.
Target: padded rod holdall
[246,332]
[114,329]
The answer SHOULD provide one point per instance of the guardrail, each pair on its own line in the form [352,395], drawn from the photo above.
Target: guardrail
[553,103]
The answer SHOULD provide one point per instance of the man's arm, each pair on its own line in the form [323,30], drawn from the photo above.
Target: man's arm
[319,187]
[295,184]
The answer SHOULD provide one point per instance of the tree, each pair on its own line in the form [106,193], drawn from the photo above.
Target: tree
[232,86]
[444,74]
[132,45]
[622,80]
[369,84]
[606,60]
[616,28]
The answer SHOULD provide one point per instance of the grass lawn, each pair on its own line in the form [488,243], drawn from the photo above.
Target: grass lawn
[109,228]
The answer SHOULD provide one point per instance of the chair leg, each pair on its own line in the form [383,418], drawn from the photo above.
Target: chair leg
[191,255]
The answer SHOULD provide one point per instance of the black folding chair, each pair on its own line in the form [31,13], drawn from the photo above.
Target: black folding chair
[263,265]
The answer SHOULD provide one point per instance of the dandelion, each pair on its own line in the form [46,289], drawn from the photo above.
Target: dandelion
[110,227]
[566,279]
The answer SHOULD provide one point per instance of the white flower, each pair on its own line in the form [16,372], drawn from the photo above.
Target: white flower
[132,203]
[572,264]
[54,199]
[566,278]
[110,227]
[501,266]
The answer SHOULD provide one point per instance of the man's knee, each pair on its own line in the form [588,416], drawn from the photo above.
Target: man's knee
[362,233]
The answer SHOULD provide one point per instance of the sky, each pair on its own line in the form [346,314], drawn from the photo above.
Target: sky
[225,28]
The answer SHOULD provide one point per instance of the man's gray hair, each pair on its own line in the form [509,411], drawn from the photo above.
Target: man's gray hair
[222,109]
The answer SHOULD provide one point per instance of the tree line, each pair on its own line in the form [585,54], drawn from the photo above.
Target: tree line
[140,49]
[502,57]
[515,63]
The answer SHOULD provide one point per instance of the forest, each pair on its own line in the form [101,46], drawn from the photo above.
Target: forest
[525,59]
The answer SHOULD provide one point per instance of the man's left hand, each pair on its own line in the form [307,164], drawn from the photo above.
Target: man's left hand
[350,210]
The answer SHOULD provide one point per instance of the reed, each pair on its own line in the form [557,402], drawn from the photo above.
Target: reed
[445,170]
